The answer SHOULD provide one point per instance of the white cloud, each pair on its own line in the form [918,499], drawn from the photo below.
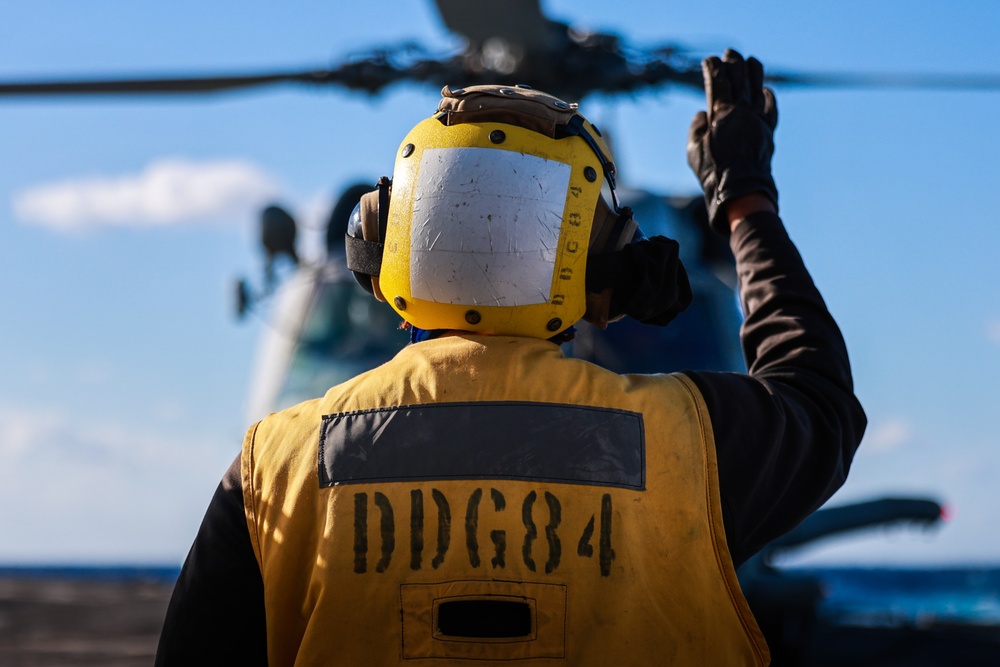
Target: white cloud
[40,436]
[167,191]
[888,435]
[90,490]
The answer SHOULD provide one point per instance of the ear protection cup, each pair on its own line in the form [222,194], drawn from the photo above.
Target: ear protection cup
[611,232]
[365,239]
[340,217]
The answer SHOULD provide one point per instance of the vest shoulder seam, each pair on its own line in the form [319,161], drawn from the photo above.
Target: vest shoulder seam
[711,492]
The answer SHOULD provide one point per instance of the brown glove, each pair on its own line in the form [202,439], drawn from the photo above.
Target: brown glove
[730,146]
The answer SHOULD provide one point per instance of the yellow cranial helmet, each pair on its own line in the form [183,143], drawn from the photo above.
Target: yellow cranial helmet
[490,214]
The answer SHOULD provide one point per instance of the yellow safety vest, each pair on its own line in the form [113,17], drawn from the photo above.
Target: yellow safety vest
[480,500]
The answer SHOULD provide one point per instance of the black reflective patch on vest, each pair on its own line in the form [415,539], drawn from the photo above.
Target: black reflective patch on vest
[546,442]
[492,619]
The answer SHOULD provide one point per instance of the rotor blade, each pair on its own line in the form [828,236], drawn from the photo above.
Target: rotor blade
[368,75]
[610,73]
[911,81]
[192,84]
[689,75]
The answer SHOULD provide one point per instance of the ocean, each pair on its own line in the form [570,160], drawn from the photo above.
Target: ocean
[874,596]
[890,597]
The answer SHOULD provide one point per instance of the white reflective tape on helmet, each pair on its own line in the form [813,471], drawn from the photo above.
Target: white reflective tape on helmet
[488,228]
[485,226]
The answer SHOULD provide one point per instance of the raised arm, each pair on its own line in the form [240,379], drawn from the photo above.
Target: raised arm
[785,433]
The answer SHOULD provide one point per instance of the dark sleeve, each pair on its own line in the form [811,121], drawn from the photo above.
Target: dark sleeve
[216,613]
[785,434]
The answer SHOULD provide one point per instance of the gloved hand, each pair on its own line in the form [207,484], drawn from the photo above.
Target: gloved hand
[644,280]
[730,146]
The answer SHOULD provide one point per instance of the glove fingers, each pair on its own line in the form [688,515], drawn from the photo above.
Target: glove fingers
[755,84]
[730,148]
[736,72]
[770,108]
[699,126]
[717,86]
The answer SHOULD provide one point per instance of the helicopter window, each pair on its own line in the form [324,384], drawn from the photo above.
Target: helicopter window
[346,332]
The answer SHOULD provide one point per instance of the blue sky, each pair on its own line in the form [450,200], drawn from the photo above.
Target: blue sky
[123,224]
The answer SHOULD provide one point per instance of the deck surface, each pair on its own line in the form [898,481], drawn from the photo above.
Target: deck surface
[70,622]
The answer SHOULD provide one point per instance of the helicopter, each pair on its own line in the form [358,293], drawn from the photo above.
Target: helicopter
[512,41]
[521,45]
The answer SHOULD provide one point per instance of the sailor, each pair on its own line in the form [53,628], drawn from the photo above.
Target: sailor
[481,498]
